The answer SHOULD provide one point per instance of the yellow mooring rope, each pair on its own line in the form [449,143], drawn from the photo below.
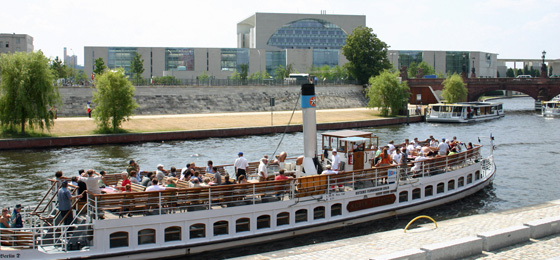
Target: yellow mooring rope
[419,217]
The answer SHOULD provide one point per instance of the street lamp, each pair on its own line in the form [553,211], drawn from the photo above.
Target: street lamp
[544,71]
[473,75]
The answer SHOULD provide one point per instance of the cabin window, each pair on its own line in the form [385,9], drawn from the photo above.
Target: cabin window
[451,185]
[440,187]
[429,191]
[221,228]
[147,236]
[416,194]
[197,231]
[301,215]
[461,182]
[173,234]
[469,178]
[242,225]
[283,219]
[477,175]
[403,196]
[336,210]
[263,221]
[319,212]
[118,239]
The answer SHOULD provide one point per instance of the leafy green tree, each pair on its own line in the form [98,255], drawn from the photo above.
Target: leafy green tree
[203,77]
[259,76]
[387,93]
[284,72]
[113,99]
[440,75]
[137,67]
[60,70]
[510,73]
[366,54]
[166,80]
[519,72]
[413,69]
[99,66]
[235,76]
[244,71]
[27,91]
[454,89]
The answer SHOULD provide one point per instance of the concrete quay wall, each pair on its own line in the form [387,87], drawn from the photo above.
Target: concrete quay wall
[160,100]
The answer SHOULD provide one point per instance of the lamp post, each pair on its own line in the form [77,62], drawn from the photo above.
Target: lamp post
[473,75]
[544,73]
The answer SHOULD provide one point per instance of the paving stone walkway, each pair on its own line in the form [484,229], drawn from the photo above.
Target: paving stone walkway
[382,243]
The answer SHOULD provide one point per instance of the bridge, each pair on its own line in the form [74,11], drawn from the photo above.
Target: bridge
[543,89]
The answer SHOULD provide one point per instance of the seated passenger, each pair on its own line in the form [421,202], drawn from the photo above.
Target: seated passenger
[227,181]
[242,179]
[5,219]
[263,170]
[133,177]
[206,182]
[281,175]
[418,162]
[328,171]
[155,186]
[147,179]
[125,181]
[384,158]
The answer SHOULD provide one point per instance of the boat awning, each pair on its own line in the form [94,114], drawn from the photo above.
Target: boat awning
[357,140]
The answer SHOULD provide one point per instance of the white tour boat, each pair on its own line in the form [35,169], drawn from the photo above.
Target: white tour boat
[464,112]
[185,221]
[551,108]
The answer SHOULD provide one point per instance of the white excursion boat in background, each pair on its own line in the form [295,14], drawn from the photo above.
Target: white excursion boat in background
[464,112]
[551,108]
[186,221]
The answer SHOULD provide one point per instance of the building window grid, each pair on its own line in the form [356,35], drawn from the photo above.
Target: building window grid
[455,60]
[232,59]
[322,57]
[408,57]
[274,59]
[120,57]
[312,32]
[179,59]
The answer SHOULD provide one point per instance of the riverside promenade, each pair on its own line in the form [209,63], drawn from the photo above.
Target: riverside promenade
[396,244]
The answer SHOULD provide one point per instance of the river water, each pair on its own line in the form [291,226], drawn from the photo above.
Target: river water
[526,155]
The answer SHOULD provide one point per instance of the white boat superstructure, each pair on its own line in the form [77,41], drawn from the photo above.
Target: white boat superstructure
[189,220]
[464,112]
[551,108]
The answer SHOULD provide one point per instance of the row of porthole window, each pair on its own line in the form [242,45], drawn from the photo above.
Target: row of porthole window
[148,236]
[440,188]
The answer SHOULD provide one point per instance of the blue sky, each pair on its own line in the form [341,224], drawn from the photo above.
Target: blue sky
[510,28]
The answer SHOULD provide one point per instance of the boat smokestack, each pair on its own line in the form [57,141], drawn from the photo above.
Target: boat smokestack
[308,106]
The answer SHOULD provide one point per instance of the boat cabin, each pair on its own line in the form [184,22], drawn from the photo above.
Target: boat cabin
[551,108]
[353,148]
[464,112]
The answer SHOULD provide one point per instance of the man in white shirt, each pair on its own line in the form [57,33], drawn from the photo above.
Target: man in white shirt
[443,148]
[397,156]
[241,165]
[328,171]
[391,146]
[92,182]
[263,170]
[155,186]
[160,172]
[335,160]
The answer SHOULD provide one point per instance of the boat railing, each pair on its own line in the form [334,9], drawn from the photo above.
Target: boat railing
[51,194]
[55,238]
[175,200]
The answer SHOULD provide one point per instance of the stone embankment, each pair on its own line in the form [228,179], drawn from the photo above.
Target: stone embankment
[164,100]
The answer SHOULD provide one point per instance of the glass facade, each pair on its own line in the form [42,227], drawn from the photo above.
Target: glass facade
[179,59]
[455,61]
[407,57]
[322,57]
[233,58]
[120,57]
[273,60]
[308,33]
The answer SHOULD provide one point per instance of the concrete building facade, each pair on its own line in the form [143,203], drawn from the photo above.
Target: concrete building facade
[10,43]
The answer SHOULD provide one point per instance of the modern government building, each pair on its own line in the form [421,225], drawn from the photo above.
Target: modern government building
[268,40]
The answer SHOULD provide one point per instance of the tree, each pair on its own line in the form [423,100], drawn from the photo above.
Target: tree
[282,73]
[454,89]
[387,93]
[60,70]
[259,76]
[99,66]
[510,73]
[244,71]
[113,99]
[137,67]
[366,54]
[27,91]
[413,69]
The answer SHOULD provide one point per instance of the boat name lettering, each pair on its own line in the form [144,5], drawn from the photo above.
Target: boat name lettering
[10,255]
[372,190]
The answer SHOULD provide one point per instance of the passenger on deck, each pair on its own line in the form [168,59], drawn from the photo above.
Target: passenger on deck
[443,148]
[147,179]
[132,166]
[433,142]
[411,149]
[227,181]
[335,161]
[384,158]
[391,146]
[205,182]
[469,146]
[92,181]
[240,165]
[171,182]
[396,156]
[172,172]
[242,179]
[133,177]
[328,171]
[194,183]
[5,219]
[74,181]
[16,220]
[125,181]
[418,162]
[60,179]
[155,186]
[281,176]
[263,170]
[209,167]
[187,172]
[160,172]
[101,182]
[197,177]
[217,176]
[65,202]
[452,151]
[416,143]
